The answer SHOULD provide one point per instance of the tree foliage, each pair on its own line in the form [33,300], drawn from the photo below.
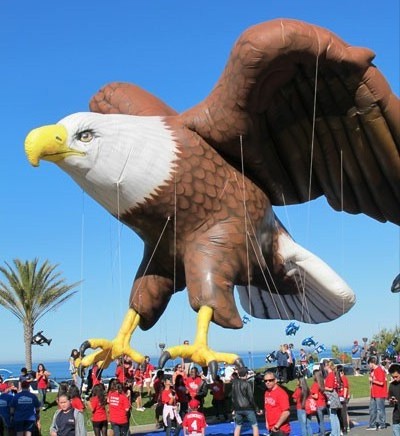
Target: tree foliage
[29,291]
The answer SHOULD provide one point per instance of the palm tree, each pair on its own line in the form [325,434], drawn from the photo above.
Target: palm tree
[29,292]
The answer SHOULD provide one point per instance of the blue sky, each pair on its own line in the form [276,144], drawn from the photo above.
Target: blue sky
[56,55]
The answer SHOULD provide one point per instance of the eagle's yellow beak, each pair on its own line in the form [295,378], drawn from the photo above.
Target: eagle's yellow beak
[48,143]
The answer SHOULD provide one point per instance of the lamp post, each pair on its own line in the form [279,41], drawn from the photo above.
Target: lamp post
[365,340]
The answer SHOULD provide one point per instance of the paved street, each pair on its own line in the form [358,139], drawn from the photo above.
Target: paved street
[358,412]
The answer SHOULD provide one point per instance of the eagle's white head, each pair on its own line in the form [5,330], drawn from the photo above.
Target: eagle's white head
[119,160]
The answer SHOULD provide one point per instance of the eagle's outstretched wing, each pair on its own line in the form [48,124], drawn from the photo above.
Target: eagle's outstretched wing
[275,73]
[314,115]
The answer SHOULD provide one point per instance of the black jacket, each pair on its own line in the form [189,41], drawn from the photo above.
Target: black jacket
[242,395]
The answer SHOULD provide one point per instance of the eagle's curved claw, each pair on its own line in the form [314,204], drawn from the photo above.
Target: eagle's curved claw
[110,350]
[165,356]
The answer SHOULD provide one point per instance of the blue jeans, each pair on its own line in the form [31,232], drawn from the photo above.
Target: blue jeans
[305,423]
[120,429]
[377,415]
[321,420]
[42,396]
[335,424]
[396,429]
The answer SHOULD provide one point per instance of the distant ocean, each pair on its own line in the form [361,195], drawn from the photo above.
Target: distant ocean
[59,369]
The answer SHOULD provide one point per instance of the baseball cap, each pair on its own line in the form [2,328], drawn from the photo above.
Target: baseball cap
[194,404]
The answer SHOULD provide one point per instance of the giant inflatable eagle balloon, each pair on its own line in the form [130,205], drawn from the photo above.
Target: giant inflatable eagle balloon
[297,113]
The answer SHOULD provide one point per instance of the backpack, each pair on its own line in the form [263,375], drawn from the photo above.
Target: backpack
[310,406]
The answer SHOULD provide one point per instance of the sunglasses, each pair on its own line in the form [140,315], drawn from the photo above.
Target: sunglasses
[267,380]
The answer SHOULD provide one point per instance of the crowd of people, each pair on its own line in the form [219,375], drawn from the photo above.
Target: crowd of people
[178,401]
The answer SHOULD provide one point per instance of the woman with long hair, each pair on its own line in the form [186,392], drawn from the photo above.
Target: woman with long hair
[42,379]
[317,392]
[344,396]
[300,395]
[118,408]
[182,394]
[331,391]
[97,405]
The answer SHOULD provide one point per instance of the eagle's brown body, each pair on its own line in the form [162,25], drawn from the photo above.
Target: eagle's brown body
[209,198]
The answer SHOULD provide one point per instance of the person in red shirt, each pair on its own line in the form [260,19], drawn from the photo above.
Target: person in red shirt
[158,387]
[344,395]
[218,401]
[42,379]
[194,422]
[299,397]
[182,394]
[377,380]
[195,385]
[3,386]
[148,371]
[138,389]
[170,412]
[97,405]
[76,400]
[118,408]
[317,392]
[277,407]
[332,388]
[95,375]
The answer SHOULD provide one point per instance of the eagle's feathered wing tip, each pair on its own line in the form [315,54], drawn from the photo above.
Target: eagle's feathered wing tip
[321,296]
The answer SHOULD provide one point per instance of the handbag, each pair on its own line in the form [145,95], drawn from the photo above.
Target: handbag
[333,399]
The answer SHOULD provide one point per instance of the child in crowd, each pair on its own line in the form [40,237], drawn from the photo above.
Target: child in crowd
[97,405]
[76,400]
[194,422]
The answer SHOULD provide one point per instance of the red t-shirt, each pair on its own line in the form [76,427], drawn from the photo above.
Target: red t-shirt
[217,390]
[193,384]
[331,381]
[344,386]
[194,421]
[123,373]
[321,400]
[138,377]
[99,413]
[379,375]
[297,398]
[276,401]
[77,404]
[149,369]
[166,397]
[3,387]
[95,380]
[42,381]
[118,406]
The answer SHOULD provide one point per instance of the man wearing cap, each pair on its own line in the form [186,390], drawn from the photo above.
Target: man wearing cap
[194,422]
[243,404]
[277,407]
[356,356]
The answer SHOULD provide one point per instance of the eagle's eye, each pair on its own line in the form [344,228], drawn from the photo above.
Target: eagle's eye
[85,136]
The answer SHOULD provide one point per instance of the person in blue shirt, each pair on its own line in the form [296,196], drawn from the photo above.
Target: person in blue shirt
[25,411]
[5,402]
[356,356]
[24,376]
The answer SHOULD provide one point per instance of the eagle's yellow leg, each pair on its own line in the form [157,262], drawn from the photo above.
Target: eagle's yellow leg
[115,348]
[199,352]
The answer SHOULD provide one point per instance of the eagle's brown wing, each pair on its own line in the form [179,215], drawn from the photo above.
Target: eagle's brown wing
[125,98]
[266,94]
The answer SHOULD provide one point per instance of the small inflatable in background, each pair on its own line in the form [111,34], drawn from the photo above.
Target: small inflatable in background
[40,339]
[292,328]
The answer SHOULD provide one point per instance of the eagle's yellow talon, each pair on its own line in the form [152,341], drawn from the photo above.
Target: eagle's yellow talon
[118,347]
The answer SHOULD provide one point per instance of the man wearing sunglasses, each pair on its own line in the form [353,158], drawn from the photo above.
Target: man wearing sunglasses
[277,407]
